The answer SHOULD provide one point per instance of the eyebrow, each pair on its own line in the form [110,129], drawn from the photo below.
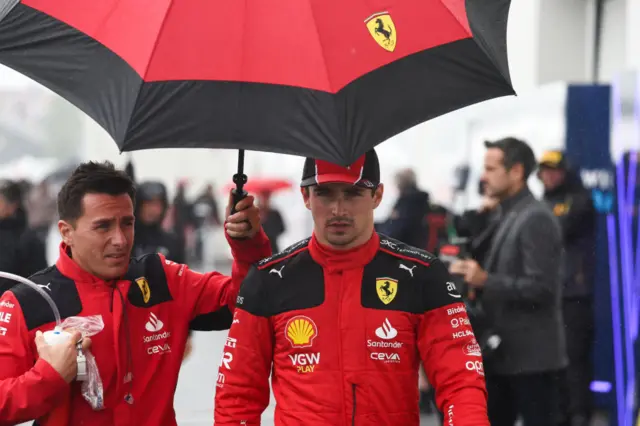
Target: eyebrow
[111,219]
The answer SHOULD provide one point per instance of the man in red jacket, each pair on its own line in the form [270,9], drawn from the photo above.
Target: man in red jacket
[147,305]
[342,320]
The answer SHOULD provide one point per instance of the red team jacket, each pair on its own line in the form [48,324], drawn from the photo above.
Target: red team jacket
[342,335]
[146,319]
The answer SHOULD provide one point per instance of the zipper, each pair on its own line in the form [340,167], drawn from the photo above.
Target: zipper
[353,411]
[340,284]
[129,373]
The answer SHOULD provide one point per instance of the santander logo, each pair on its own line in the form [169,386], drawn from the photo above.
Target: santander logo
[154,324]
[386,331]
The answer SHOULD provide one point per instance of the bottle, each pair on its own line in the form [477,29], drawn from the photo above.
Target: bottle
[61,413]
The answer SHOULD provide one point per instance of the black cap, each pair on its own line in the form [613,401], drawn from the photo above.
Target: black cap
[364,172]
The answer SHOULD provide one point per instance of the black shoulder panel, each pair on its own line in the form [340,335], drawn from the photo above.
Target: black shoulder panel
[406,251]
[388,286]
[290,283]
[439,289]
[149,285]
[407,279]
[36,310]
[288,252]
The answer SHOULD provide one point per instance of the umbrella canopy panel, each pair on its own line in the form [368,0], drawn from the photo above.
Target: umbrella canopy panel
[322,78]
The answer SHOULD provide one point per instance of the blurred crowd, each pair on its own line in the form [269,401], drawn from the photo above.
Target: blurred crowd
[179,228]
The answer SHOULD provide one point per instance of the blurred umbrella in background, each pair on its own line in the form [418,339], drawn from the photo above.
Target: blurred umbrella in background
[263,186]
[328,79]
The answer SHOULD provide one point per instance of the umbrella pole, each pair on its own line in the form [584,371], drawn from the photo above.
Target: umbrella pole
[240,179]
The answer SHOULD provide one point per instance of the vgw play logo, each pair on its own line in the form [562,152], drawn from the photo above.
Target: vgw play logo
[600,182]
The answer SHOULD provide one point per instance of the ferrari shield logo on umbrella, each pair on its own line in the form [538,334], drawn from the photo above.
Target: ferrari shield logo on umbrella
[383,30]
[387,288]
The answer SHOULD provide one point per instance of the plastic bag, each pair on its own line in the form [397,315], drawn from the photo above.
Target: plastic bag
[92,390]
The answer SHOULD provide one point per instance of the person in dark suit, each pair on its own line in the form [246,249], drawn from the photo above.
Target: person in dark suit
[521,283]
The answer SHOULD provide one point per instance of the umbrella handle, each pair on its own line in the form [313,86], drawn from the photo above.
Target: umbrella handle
[238,194]
[236,197]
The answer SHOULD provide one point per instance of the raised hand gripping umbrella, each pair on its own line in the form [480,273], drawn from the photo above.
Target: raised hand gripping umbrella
[328,79]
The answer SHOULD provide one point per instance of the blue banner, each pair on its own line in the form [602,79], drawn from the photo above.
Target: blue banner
[588,130]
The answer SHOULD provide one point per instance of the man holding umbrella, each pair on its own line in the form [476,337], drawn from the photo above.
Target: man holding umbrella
[341,322]
[146,304]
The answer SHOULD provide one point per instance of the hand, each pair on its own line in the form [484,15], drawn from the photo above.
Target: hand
[488,204]
[246,222]
[473,273]
[62,357]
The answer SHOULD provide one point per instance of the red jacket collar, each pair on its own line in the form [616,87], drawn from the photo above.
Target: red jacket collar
[70,269]
[344,259]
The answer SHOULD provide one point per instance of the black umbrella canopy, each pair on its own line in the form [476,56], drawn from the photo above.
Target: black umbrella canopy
[331,85]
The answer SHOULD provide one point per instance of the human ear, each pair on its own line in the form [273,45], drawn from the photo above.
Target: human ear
[305,197]
[66,232]
[377,196]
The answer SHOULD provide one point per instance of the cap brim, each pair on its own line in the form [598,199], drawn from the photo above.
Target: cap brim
[335,178]
[550,165]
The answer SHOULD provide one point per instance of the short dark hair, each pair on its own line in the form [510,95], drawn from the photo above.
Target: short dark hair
[92,178]
[515,151]
[11,191]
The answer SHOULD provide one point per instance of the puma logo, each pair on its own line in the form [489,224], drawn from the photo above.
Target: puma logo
[45,286]
[406,268]
[276,271]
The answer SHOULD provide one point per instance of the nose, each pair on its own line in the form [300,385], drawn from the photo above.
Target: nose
[118,238]
[337,206]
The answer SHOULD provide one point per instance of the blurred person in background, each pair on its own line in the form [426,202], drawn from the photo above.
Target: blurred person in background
[342,320]
[571,202]
[479,225]
[205,215]
[21,252]
[183,220]
[41,206]
[521,292]
[407,220]
[272,221]
[151,207]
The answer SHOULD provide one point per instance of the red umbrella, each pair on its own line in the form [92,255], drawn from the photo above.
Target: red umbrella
[323,78]
[263,185]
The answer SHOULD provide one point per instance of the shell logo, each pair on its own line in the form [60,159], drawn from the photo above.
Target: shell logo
[300,331]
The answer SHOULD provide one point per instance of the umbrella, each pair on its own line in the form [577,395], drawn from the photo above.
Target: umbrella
[328,79]
[263,185]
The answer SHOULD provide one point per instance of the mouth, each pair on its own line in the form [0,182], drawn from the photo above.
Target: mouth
[339,226]
[117,256]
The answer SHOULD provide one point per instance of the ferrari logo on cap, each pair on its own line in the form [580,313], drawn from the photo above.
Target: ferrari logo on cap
[383,30]
[387,289]
[144,289]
